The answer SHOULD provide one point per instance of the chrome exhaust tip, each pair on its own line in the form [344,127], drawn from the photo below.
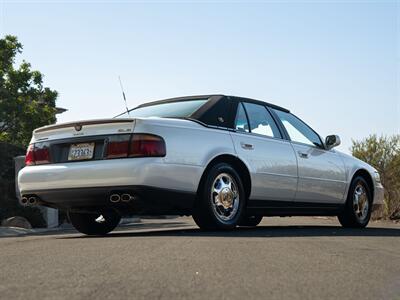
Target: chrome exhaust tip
[126,197]
[24,201]
[114,198]
[32,201]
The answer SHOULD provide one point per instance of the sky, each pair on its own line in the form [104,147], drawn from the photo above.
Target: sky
[335,64]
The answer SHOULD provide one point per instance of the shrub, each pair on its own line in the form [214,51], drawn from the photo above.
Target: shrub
[383,153]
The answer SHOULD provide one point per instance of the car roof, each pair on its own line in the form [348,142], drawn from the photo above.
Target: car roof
[215,96]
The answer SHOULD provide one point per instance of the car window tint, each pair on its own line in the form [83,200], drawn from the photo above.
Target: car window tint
[298,131]
[218,114]
[261,121]
[241,123]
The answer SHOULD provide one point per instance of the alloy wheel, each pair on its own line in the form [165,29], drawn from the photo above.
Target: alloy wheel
[225,197]
[360,202]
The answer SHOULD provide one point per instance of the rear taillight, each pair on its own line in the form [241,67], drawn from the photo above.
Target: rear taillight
[136,145]
[30,156]
[118,146]
[143,145]
[37,154]
[42,154]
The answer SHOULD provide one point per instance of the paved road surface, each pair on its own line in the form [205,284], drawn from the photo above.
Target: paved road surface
[284,258]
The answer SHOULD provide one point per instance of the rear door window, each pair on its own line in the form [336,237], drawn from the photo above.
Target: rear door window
[261,121]
[241,122]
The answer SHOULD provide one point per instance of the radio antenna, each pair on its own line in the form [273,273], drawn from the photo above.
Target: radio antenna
[123,95]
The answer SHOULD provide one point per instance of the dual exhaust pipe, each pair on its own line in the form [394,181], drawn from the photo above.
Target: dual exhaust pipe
[31,200]
[115,198]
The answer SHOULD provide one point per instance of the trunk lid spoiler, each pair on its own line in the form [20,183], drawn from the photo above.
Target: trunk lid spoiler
[80,124]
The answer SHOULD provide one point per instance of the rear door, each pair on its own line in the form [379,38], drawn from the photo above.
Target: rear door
[271,159]
[322,177]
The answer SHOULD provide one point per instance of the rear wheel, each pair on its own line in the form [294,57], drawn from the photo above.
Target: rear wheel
[250,221]
[358,207]
[221,199]
[95,223]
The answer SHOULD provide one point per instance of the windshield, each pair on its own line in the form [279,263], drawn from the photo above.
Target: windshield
[179,109]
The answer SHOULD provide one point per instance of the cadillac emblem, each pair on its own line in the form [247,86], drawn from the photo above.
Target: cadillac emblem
[78,127]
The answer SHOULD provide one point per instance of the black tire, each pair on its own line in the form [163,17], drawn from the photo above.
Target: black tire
[348,217]
[204,212]
[86,222]
[251,221]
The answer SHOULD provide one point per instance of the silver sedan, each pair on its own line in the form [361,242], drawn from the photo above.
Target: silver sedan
[227,161]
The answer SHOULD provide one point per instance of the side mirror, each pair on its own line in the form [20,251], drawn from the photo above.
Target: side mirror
[332,141]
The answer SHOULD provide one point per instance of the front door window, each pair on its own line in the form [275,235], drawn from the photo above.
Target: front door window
[298,131]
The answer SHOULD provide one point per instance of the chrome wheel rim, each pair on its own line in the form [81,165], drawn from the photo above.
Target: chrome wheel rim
[360,202]
[225,197]
[100,219]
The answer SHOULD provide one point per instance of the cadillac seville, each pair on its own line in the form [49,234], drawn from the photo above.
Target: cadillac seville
[227,161]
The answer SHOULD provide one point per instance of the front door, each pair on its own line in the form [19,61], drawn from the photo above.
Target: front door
[322,176]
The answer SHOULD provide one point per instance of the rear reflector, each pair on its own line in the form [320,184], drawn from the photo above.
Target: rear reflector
[145,145]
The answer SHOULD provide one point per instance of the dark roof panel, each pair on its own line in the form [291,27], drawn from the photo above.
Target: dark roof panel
[188,98]
[176,99]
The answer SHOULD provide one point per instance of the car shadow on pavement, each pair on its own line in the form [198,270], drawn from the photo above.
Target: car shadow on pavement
[167,229]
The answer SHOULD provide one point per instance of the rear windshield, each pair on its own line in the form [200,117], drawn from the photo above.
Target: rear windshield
[178,109]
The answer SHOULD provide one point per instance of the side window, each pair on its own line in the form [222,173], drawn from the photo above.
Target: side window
[298,131]
[241,123]
[261,121]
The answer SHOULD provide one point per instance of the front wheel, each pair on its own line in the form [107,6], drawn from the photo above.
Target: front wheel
[358,207]
[95,223]
[220,200]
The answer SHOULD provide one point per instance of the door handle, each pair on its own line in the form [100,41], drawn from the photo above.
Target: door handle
[247,146]
[303,154]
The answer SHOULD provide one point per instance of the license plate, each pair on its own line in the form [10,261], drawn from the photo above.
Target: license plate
[81,151]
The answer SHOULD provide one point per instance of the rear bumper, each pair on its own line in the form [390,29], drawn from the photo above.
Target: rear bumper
[146,199]
[110,173]
[83,184]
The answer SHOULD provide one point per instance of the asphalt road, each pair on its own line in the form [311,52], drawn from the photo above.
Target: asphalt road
[283,258]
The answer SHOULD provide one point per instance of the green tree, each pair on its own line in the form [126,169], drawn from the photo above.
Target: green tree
[24,103]
[383,153]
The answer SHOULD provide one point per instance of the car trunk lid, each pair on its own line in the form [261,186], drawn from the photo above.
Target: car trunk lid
[86,128]
[78,141]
